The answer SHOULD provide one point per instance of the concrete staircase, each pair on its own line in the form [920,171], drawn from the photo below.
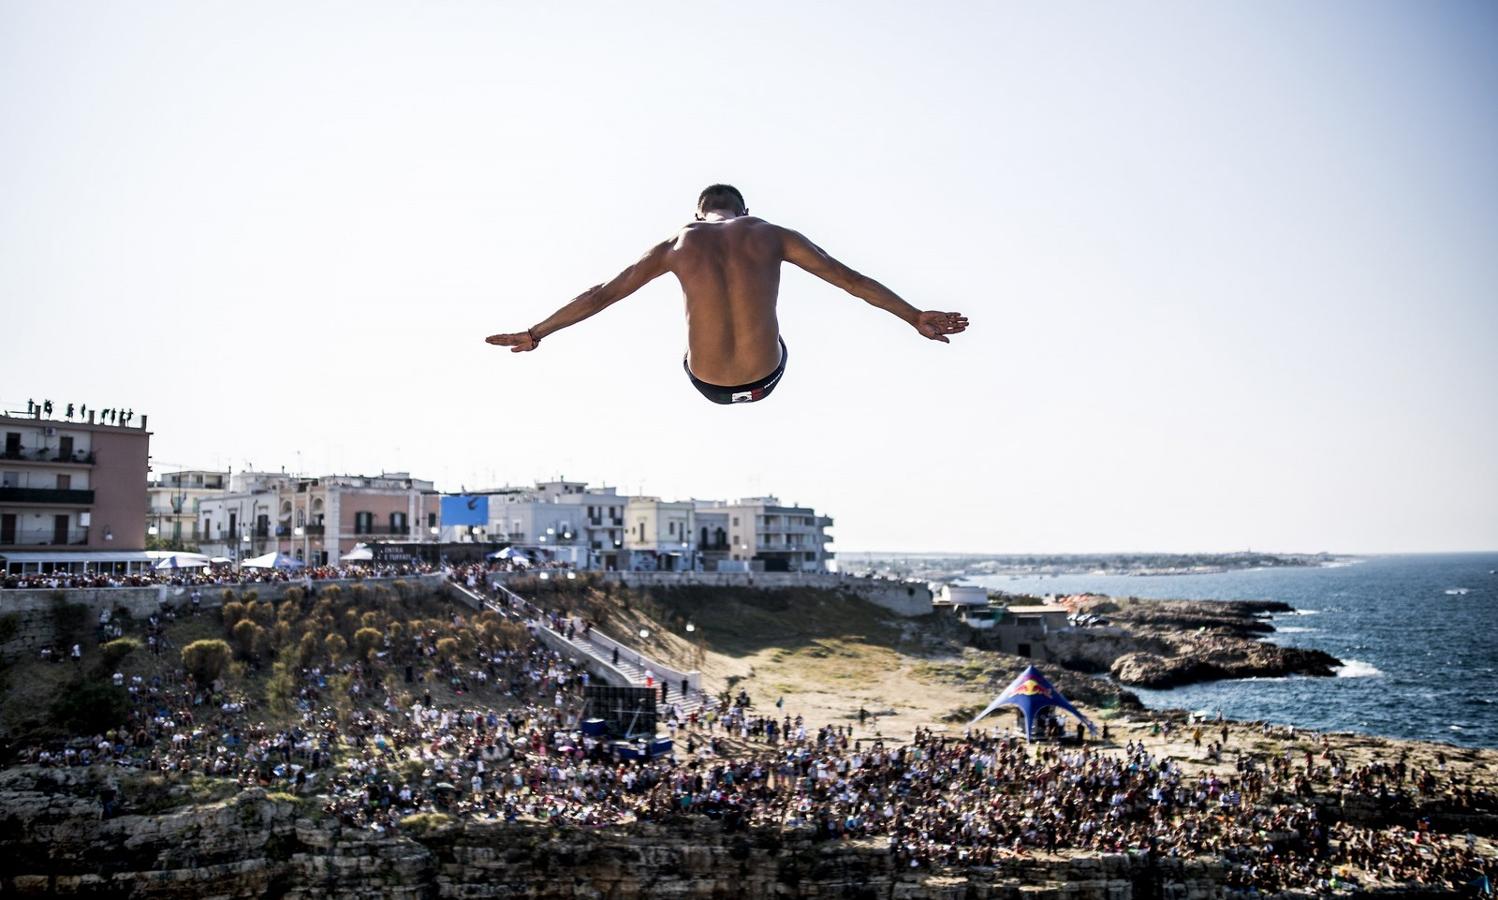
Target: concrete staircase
[632,663]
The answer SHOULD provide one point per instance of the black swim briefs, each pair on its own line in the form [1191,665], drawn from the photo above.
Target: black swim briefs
[744,393]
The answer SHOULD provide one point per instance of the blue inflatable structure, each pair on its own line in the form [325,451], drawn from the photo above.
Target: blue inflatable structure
[1031,693]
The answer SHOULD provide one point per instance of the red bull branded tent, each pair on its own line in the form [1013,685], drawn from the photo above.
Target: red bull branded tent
[1031,692]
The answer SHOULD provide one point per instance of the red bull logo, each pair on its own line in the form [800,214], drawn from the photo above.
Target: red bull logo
[1031,688]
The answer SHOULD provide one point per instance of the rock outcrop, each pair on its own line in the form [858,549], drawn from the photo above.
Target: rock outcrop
[1168,643]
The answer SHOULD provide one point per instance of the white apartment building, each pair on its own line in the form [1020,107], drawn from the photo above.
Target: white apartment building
[172,514]
[559,520]
[317,520]
[659,535]
[597,528]
[774,537]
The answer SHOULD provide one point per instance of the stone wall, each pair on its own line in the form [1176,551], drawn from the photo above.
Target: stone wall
[257,845]
[34,617]
[906,598]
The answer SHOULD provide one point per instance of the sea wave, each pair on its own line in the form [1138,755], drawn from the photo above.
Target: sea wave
[1293,629]
[1356,668]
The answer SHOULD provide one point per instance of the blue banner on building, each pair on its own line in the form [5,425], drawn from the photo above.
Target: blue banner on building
[465,510]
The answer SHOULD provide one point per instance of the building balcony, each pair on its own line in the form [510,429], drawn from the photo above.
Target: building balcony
[44,537]
[314,529]
[401,531]
[46,496]
[47,456]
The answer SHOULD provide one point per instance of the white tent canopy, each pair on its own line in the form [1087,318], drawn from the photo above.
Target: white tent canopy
[360,553]
[182,561]
[274,560]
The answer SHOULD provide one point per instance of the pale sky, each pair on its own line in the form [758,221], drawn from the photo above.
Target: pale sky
[1232,268]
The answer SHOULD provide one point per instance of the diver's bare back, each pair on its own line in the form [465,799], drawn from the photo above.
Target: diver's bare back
[730,280]
[728,263]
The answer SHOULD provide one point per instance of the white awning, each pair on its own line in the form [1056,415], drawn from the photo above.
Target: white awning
[272,560]
[182,561]
[75,556]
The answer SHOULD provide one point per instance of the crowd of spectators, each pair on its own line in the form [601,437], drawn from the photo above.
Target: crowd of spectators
[493,733]
[221,575]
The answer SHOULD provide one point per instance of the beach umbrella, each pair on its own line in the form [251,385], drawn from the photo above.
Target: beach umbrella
[1031,693]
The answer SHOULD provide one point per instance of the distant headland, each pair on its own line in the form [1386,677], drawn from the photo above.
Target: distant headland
[946,566]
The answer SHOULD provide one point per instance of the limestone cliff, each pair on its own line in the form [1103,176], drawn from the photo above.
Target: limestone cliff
[256,845]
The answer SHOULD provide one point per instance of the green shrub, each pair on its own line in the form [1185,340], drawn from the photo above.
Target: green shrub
[281,687]
[306,649]
[249,638]
[231,612]
[336,647]
[115,652]
[263,613]
[205,660]
[367,641]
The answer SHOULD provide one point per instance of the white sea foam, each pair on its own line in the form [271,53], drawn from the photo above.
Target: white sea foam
[1355,668]
[1293,629]
[1302,612]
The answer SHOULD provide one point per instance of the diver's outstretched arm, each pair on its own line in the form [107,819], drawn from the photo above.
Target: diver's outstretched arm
[650,266]
[930,323]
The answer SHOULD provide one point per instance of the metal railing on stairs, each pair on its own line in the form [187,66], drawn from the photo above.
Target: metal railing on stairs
[627,667]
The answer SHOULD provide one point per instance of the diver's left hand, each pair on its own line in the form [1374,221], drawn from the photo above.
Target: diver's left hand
[937,325]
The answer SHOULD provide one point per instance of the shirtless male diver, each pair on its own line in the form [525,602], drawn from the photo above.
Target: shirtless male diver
[728,263]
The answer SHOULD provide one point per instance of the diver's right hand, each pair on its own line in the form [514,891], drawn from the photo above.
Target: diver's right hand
[519,342]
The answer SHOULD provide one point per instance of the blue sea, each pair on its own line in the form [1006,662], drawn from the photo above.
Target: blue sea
[1417,634]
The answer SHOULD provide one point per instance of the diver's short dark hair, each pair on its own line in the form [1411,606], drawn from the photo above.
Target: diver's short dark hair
[720,196]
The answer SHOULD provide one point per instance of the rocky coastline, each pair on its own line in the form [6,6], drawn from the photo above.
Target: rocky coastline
[55,840]
[256,844]
[1169,643]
